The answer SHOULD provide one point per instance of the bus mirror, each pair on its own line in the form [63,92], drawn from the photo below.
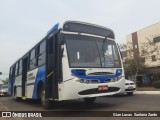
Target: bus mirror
[0,73]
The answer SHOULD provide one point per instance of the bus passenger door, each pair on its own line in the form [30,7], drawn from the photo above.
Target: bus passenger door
[24,75]
[51,81]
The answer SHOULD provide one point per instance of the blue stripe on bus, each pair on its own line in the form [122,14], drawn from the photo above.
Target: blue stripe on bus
[55,27]
[39,77]
[10,85]
[81,73]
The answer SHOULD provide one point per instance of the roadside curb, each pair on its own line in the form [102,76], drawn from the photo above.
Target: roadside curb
[147,92]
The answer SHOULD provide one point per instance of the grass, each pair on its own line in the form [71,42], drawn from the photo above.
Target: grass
[147,89]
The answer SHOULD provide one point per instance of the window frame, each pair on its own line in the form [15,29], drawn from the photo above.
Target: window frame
[31,59]
[40,53]
[17,69]
[20,67]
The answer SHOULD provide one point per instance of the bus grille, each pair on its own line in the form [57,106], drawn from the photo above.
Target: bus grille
[101,73]
[94,81]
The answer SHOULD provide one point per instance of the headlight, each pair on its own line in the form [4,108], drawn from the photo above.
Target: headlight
[116,79]
[82,80]
[86,81]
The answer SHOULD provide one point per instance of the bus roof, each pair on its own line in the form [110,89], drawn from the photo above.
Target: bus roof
[83,27]
[79,27]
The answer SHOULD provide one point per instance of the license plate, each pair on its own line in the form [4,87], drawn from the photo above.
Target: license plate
[102,88]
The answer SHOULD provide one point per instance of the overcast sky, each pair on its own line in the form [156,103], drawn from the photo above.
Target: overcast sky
[25,22]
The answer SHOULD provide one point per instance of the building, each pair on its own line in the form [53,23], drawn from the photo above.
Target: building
[147,38]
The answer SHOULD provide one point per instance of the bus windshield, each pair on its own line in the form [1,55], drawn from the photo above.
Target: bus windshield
[92,52]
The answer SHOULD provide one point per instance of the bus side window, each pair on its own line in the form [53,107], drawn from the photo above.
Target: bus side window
[17,70]
[20,67]
[42,53]
[10,73]
[32,63]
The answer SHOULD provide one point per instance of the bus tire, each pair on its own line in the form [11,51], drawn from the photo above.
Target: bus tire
[17,99]
[90,100]
[46,103]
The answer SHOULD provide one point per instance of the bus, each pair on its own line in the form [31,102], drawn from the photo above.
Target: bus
[74,60]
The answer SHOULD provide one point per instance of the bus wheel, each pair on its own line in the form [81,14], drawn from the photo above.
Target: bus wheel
[17,99]
[46,103]
[89,100]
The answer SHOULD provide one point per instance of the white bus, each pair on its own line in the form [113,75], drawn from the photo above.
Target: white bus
[75,60]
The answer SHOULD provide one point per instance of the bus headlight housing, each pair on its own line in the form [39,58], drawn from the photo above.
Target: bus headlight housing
[84,81]
[96,81]
[116,79]
[87,81]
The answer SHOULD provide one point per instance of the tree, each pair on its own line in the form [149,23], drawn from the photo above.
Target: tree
[5,81]
[135,56]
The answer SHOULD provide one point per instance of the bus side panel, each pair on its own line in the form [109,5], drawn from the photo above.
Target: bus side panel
[31,75]
[18,84]
[39,77]
[33,78]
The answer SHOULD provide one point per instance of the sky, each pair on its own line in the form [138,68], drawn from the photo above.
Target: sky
[23,23]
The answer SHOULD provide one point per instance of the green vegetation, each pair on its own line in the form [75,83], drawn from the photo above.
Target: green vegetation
[156,84]
[135,56]
[5,81]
